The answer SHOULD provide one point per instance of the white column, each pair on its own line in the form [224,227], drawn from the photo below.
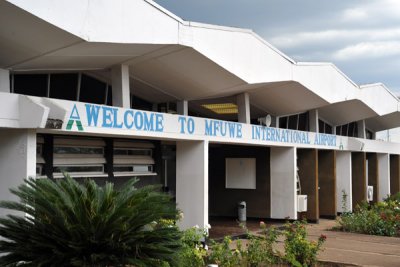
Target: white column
[243,103]
[4,81]
[343,180]
[120,86]
[383,176]
[283,183]
[192,182]
[17,160]
[313,116]
[182,107]
[361,129]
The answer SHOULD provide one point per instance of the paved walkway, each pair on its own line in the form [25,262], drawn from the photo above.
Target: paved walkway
[356,249]
[346,248]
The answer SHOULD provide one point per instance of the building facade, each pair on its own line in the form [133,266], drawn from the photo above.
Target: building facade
[120,89]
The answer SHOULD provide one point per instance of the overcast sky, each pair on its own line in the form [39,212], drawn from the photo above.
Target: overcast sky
[361,37]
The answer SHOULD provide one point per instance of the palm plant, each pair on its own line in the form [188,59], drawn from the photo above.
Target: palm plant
[72,224]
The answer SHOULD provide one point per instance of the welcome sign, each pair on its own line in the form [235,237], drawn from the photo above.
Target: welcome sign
[94,118]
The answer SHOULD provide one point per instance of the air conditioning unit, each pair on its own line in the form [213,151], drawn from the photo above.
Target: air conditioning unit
[370,193]
[301,203]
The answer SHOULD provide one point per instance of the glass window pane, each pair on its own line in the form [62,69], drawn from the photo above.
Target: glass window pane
[138,103]
[321,126]
[109,95]
[293,122]
[78,150]
[303,122]
[123,168]
[344,129]
[351,129]
[283,122]
[30,84]
[328,129]
[59,169]
[132,152]
[92,90]
[64,86]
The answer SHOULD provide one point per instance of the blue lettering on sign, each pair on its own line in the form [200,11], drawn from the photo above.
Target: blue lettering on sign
[186,125]
[130,119]
[289,136]
[223,128]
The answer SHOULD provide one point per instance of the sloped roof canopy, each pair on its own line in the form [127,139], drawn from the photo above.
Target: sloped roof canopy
[171,59]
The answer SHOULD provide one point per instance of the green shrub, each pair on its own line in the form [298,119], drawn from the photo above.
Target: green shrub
[298,250]
[193,252]
[260,250]
[382,218]
[69,224]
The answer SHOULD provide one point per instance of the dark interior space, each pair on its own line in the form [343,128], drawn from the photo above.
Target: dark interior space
[307,164]
[327,183]
[223,201]
[359,179]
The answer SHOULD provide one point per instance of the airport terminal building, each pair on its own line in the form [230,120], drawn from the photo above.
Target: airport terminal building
[120,89]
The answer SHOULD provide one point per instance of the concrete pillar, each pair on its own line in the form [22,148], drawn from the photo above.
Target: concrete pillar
[384,176]
[182,107]
[361,129]
[359,177]
[283,183]
[17,160]
[307,162]
[5,81]
[343,181]
[120,86]
[192,182]
[243,103]
[394,174]
[327,183]
[314,118]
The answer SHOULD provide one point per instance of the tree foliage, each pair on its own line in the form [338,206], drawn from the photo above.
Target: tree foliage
[72,224]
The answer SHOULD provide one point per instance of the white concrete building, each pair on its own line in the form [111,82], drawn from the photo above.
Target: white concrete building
[121,89]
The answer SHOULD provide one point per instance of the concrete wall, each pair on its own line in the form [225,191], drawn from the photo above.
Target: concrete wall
[222,201]
[283,183]
[327,183]
[17,160]
[384,176]
[192,182]
[359,179]
[343,181]
[307,162]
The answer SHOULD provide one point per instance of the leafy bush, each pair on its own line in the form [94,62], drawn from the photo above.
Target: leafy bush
[298,250]
[193,251]
[259,250]
[69,224]
[382,218]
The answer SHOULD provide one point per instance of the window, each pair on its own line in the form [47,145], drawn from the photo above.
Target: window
[295,122]
[138,103]
[324,127]
[92,90]
[30,84]
[78,156]
[350,129]
[109,95]
[39,156]
[132,157]
[64,86]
